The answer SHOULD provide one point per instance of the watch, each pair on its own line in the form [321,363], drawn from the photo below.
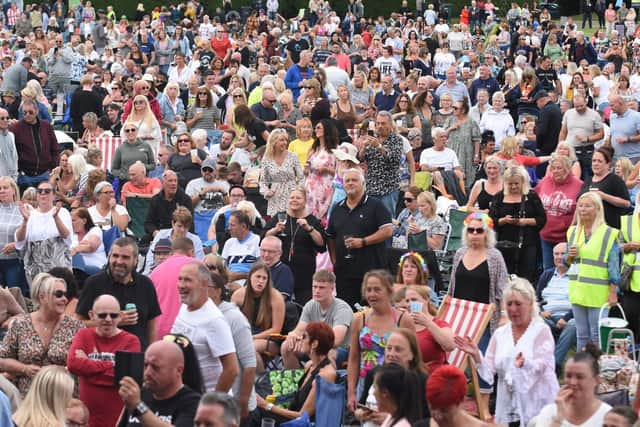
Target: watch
[269,406]
[141,408]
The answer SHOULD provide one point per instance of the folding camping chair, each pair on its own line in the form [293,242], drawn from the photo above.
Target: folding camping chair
[466,319]
[330,402]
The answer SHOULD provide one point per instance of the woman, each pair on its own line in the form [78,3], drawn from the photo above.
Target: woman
[116,96]
[409,213]
[310,94]
[395,393]
[263,305]
[137,56]
[63,180]
[280,172]
[216,264]
[576,80]
[445,112]
[321,169]
[40,338]
[498,119]
[304,140]
[145,121]
[464,139]
[203,114]
[181,42]
[405,116]
[446,390]
[576,403]
[553,49]
[402,350]
[67,275]
[33,91]
[226,102]
[106,212]
[424,107]
[565,149]
[288,114]
[238,97]
[610,188]
[434,335]
[484,190]
[623,88]
[91,132]
[11,269]
[526,91]
[181,222]
[47,400]
[521,354]
[87,249]
[164,51]
[370,331]
[302,238]
[172,108]
[558,192]
[44,234]
[412,271]
[592,246]
[360,93]
[519,216]
[255,128]
[427,222]
[186,160]
[345,111]
[317,341]
[510,150]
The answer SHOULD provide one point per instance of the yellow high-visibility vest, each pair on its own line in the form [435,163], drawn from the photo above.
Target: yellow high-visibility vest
[630,229]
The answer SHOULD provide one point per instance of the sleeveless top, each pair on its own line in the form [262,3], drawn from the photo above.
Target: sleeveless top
[346,117]
[303,391]
[484,198]
[372,346]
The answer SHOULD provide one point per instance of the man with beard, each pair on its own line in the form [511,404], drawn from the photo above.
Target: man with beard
[135,292]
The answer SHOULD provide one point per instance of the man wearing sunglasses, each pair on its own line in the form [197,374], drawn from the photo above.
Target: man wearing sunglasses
[207,192]
[92,356]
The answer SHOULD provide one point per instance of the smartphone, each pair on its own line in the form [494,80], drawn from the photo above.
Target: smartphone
[415,307]
[129,364]
[371,132]
[363,407]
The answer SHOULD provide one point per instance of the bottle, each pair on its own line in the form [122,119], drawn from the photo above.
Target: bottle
[271,398]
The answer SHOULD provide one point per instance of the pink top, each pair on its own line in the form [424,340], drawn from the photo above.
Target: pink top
[559,201]
[165,280]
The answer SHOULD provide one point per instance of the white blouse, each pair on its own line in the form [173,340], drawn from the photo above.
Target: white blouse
[522,392]
[42,226]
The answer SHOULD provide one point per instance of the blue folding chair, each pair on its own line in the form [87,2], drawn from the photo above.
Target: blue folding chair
[330,403]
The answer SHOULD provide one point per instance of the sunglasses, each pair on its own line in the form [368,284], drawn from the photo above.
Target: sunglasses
[202,93]
[130,130]
[139,102]
[44,190]
[408,199]
[105,315]
[237,96]
[145,88]
[60,293]
[473,230]
[184,140]
[207,169]
[212,267]
[30,112]
[180,340]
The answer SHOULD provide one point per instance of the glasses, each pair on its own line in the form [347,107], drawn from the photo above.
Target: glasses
[115,87]
[45,190]
[408,199]
[473,230]
[202,93]
[130,130]
[60,293]
[207,169]
[4,118]
[185,140]
[145,88]
[108,192]
[212,267]
[28,112]
[178,339]
[403,101]
[272,101]
[105,315]
[237,96]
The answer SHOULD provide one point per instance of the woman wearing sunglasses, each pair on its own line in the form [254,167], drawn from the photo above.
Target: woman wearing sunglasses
[40,338]
[45,234]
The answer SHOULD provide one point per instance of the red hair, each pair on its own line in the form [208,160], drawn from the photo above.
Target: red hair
[446,386]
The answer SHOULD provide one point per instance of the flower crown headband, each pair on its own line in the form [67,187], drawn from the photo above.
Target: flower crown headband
[417,256]
[481,216]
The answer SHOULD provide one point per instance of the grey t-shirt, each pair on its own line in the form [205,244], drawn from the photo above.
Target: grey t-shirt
[577,124]
[339,313]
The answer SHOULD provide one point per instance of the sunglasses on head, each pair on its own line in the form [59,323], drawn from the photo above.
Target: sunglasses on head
[105,315]
[212,267]
[45,190]
[473,230]
[60,293]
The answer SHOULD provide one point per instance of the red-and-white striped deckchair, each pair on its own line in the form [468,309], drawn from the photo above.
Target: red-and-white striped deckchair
[108,145]
[466,319]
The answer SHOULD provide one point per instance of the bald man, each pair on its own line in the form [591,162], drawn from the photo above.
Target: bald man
[139,185]
[92,356]
[164,398]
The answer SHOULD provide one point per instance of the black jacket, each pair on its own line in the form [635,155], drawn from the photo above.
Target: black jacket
[548,128]
[161,209]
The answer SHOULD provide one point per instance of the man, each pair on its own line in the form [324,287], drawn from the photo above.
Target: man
[295,46]
[130,288]
[383,153]
[324,307]
[582,127]
[84,100]
[164,203]
[265,111]
[548,125]
[553,289]
[36,145]
[164,152]
[59,59]
[336,76]
[343,61]
[221,44]
[139,185]
[97,87]
[165,276]
[452,86]
[8,153]
[161,251]
[164,400]
[388,65]
[242,249]
[243,341]
[281,275]
[99,34]
[207,193]
[219,228]
[217,410]
[362,216]
[16,76]
[221,152]
[547,76]
[484,81]
[92,357]
[385,100]
[582,49]
[625,126]
[200,320]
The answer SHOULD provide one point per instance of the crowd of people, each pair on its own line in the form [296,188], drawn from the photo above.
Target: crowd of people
[191,197]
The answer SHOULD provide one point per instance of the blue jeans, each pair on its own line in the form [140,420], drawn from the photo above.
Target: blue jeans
[25,181]
[390,201]
[586,324]
[565,338]
[12,275]
[547,253]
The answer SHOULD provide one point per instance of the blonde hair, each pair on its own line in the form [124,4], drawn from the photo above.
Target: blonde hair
[249,209]
[522,287]
[517,172]
[303,121]
[597,201]
[271,142]
[569,147]
[13,185]
[625,166]
[429,198]
[43,284]
[425,294]
[47,399]
[146,115]
[510,146]
[78,165]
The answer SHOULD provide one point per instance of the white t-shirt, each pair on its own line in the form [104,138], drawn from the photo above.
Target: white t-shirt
[442,62]
[104,222]
[211,337]
[446,158]
[42,226]
[97,258]
[605,87]
[548,412]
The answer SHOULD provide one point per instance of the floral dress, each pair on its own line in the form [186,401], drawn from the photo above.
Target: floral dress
[319,186]
[372,346]
[23,344]
[461,141]
[281,179]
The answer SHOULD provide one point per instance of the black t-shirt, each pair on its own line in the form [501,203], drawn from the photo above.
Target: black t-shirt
[140,292]
[547,78]
[205,58]
[263,113]
[613,185]
[294,47]
[255,130]
[178,411]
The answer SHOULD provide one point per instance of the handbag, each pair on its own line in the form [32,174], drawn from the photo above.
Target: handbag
[625,276]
